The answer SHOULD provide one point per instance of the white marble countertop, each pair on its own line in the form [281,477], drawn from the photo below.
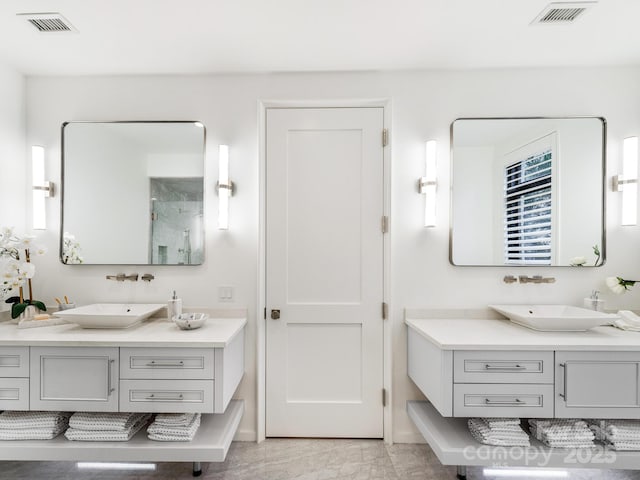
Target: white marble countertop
[217,332]
[492,334]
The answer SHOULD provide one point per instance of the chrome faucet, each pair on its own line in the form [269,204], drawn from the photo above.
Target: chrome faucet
[536,279]
[121,277]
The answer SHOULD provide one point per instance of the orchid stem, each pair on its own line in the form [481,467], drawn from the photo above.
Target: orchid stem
[28,259]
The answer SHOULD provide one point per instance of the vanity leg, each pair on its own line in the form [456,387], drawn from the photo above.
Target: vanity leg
[197,469]
[461,474]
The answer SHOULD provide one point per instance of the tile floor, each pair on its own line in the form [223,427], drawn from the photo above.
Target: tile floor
[288,459]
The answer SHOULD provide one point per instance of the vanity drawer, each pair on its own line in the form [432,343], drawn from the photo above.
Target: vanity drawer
[479,400]
[502,367]
[159,363]
[14,394]
[168,396]
[14,361]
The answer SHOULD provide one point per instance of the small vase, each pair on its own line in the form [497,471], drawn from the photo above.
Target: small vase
[28,314]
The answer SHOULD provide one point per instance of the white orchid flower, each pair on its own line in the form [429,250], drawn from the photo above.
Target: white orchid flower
[578,261]
[619,285]
[27,269]
[26,242]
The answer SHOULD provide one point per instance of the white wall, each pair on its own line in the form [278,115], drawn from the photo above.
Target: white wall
[423,106]
[13,167]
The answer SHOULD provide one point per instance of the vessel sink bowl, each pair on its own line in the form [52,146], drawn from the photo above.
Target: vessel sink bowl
[110,315]
[554,318]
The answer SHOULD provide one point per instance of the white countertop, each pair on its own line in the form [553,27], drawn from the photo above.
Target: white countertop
[488,334]
[217,332]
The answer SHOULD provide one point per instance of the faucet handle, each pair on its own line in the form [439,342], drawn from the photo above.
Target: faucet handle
[119,277]
[147,277]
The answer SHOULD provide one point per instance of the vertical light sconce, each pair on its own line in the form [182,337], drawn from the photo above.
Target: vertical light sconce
[41,189]
[225,187]
[427,185]
[627,183]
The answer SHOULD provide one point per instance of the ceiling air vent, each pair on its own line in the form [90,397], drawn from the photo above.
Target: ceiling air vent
[49,22]
[562,12]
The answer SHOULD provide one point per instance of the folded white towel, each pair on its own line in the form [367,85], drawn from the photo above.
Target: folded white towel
[622,445]
[174,419]
[570,444]
[502,422]
[510,435]
[108,435]
[104,421]
[565,433]
[627,321]
[12,420]
[166,433]
[30,433]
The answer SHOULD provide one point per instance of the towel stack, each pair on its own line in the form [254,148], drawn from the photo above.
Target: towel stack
[627,321]
[562,433]
[174,427]
[498,431]
[105,427]
[617,434]
[32,425]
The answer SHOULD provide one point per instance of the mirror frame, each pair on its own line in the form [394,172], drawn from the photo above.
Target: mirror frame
[62,188]
[603,241]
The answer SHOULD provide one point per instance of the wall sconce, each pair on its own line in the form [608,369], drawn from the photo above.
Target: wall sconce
[627,183]
[225,187]
[427,185]
[41,189]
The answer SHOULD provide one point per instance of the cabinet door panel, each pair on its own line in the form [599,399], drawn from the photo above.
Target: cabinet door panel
[170,363]
[14,362]
[598,384]
[502,400]
[166,396]
[503,367]
[74,378]
[14,394]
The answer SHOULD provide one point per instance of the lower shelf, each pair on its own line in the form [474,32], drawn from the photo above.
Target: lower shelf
[210,444]
[452,443]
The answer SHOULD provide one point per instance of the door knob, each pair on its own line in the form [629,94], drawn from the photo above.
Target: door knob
[275,314]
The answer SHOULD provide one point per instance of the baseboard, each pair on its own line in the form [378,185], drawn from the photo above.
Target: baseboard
[245,436]
[408,437]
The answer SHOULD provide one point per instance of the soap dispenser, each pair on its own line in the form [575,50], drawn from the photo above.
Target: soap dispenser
[174,306]
[593,302]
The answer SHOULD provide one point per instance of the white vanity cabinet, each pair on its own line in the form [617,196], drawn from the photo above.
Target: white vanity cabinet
[494,368]
[14,378]
[597,384]
[74,379]
[151,367]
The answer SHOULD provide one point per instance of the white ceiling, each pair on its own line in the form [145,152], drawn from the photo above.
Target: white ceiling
[216,36]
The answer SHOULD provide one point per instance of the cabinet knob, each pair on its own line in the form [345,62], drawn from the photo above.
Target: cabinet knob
[275,314]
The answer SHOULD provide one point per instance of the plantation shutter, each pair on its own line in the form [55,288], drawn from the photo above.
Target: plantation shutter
[528,209]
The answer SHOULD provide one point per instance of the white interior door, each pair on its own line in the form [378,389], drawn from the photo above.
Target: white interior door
[324,272]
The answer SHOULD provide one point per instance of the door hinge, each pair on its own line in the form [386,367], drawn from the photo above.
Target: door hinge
[385,310]
[384,225]
[384,397]
[385,137]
